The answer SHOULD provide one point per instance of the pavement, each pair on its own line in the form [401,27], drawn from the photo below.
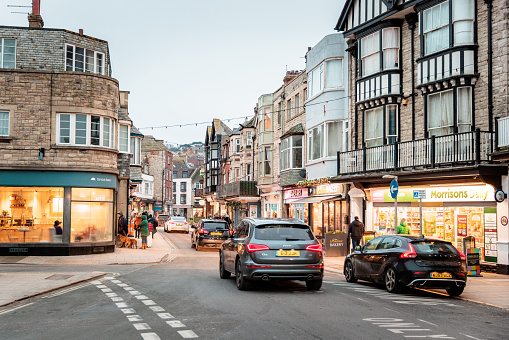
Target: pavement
[489,289]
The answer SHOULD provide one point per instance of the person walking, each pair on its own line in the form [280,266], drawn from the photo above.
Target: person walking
[123,227]
[356,231]
[150,221]
[403,227]
[143,231]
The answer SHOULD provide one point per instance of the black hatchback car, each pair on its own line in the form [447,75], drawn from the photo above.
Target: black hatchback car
[397,261]
[209,233]
[272,249]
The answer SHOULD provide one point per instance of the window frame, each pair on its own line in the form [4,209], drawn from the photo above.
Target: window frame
[128,134]
[72,131]
[288,150]
[8,112]
[85,55]
[2,53]
[381,52]
[456,124]
[343,128]
[321,77]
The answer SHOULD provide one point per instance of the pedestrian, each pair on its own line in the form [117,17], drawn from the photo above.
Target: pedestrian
[143,231]
[403,227]
[137,221]
[356,231]
[58,228]
[123,227]
[150,222]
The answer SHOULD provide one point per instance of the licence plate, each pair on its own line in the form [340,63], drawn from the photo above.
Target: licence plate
[179,224]
[436,275]
[216,233]
[287,253]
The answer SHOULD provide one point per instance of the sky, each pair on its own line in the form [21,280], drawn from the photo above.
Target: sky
[189,61]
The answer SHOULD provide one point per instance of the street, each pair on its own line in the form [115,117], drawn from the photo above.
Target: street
[183,297]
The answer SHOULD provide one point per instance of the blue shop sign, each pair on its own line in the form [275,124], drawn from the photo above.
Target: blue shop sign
[58,179]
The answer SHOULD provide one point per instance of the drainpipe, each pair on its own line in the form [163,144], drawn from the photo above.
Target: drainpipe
[411,19]
[489,7]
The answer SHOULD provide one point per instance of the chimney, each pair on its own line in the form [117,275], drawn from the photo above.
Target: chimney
[81,31]
[35,19]
[290,75]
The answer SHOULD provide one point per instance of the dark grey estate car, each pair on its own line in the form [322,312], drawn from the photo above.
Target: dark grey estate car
[272,249]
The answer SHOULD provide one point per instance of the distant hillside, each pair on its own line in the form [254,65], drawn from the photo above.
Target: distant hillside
[178,147]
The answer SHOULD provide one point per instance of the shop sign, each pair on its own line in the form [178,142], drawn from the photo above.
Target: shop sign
[504,220]
[462,225]
[201,202]
[473,259]
[253,211]
[295,194]
[460,194]
[404,195]
[328,189]
[158,208]
[159,203]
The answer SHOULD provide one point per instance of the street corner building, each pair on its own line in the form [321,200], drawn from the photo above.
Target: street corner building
[59,140]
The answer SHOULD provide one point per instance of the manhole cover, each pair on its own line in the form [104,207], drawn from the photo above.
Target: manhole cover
[58,277]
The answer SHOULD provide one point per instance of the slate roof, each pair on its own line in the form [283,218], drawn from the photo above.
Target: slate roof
[294,131]
[250,123]
[136,132]
[235,131]
[122,115]
[149,143]
[221,128]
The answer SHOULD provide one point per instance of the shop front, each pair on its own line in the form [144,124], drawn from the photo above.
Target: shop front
[56,213]
[299,211]
[270,205]
[449,213]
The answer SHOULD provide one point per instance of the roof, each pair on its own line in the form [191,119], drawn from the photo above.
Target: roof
[296,130]
[179,163]
[122,115]
[344,15]
[221,128]
[235,131]
[249,124]
[136,132]
[149,143]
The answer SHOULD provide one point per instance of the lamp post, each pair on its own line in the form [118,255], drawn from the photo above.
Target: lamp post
[394,194]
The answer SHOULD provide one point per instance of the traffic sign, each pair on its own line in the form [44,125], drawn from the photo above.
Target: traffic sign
[419,194]
[394,189]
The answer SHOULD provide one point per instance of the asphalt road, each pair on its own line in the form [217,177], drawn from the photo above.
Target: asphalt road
[185,298]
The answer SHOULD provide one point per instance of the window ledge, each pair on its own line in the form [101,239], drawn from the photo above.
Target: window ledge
[84,147]
[6,139]
[320,160]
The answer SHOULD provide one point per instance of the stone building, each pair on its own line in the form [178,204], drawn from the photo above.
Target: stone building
[58,142]
[182,199]
[428,81]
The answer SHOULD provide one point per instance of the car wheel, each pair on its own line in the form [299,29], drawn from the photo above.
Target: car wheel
[349,274]
[240,280]
[391,281]
[455,291]
[314,284]
[223,273]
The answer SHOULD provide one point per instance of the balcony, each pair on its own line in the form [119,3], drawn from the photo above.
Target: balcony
[238,189]
[451,150]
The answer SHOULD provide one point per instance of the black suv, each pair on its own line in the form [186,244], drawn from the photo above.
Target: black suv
[209,233]
[272,249]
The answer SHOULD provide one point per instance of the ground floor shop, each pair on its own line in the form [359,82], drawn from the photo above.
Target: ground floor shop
[56,213]
[271,205]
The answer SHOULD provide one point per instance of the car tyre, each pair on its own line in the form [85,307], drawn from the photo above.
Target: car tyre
[240,280]
[455,291]
[314,284]
[223,273]
[391,281]
[349,273]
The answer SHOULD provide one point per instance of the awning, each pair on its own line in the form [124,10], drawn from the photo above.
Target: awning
[316,199]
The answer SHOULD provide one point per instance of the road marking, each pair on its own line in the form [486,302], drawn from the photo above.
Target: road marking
[148,302]
[109,277]
[13,309]
[134,292]
[124,285]
[141,326]
[134,318]
[116,281]
[128,310]
[128,288]
[106,290]
[150,336]
[362,300]
[102,286]
[96,282]
[188,334]
[429,323]
[165,315]
[157,309]
[471,337]
[175,324]
[141,297]
[60,292]
[399,326]
[121,305]
[111,294]
[117,299]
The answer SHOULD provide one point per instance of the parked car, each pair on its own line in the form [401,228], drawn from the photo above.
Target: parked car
[407,261]
[176,223]
[272,249]
[162,218]
[209,233]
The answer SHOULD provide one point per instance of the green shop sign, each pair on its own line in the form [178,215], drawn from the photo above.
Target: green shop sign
[404,195]
[57,179]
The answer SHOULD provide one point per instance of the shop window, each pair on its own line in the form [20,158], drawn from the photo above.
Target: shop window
[82,60]
[4,123]
[28,214]
[7,53]
[91,215]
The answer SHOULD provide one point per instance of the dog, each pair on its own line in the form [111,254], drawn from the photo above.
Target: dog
[124,240]
[132,243]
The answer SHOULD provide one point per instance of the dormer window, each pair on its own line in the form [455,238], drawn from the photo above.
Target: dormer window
[79,59]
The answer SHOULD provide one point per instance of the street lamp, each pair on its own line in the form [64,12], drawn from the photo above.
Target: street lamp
[394,194]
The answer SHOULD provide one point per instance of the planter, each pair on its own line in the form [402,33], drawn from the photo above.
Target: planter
[336,245]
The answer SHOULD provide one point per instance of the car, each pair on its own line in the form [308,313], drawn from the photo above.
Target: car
[162,218]
[176,223]
[209,233]
[262,249]
[398,261]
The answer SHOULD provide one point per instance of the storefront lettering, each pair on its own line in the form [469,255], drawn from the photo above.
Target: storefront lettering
[18,250]
[480,194]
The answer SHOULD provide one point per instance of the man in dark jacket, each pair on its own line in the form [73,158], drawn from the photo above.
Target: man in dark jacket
[356,230]
[123,227]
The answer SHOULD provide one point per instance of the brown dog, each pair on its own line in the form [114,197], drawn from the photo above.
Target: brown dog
[133,243]
[124,240]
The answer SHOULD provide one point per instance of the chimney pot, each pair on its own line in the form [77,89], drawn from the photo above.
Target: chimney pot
[81,31]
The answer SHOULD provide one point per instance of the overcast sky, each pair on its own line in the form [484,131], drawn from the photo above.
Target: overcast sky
[189,61]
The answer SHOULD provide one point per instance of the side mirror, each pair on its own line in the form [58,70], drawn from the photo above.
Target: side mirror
[358,248]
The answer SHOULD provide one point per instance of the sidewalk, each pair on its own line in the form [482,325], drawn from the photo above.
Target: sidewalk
[490,289]
[17,286]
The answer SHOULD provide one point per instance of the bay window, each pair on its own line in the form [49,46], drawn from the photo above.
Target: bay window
[237,145]
[440,110]
[4,123]
[123,138]
[268,120]
[436,28]
[7,53]
[136,151]
[463,14]
[249,138]
[390,47]
[315,143]
[291,153]
[371,51]
[80,59]
[370,54]
[268,161]
[327,139]
[374,125]
[79,129]
[327,75]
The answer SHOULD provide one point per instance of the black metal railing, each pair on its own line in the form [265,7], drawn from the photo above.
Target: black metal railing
[237,189]
[460,148]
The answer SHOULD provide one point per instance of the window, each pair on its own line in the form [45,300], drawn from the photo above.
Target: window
[374,127]
[327,139]
[92,212]
[333,73]
[370,54]
[136,151]
[268,122]
[392,124]
[390,48]
[267,162]
[291,153]
[305,94]
[297,104]
[372,244]
[7,53]
[249,138]
[183,199]
[82,60]
[289,108]
[174,199]
[436,28]
[4,123]
[78,129]
[279,112]
[315,143]
[441,111]
[237,174]
[248,172]
[183,186]
[237,145]
[184,174]
[334,140]
[463,16]
[123,138]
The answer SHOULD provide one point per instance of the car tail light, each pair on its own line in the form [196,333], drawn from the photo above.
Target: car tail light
[462,256]
[460,273]
[251,247]
[317,266]
[411,254]
[419,273]
[203,231]
[255,266]
[315,247]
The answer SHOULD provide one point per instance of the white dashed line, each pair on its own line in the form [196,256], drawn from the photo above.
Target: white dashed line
[188,334]
[106,290]
[116,281]
[141,297]
[102,286]
[141,326]
[117,299]
[134,292]
[96,282]
[121,305]
[148,302]
[124,285]
[175,324]
[111,294]
[109,277]
[128,310]
[165,315]
[157,309]
[150,336]
[134,318]
[128,288]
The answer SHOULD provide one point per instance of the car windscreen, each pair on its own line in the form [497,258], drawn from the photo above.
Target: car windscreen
[213,226]
[178,219]
[434,247]
[283,232]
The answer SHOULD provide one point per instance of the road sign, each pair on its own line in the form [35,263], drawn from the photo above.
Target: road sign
[419,194]
[394,189]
